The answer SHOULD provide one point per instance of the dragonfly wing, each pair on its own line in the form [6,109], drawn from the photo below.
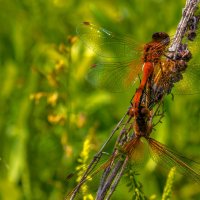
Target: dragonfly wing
[136,151]
[187,82]
[106,44]
[114,76]
[190,84]
[168,159]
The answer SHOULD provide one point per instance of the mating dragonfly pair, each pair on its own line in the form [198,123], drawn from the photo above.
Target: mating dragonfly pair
[160,72]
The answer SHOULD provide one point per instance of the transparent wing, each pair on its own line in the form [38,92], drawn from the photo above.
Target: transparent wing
[168,158]
[106,44]
[190,84]
[114,76]
[136,150]
[121,54]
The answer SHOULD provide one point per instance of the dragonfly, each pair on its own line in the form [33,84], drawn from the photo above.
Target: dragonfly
[130,148]
[122,59]
[123,62]
[159,74]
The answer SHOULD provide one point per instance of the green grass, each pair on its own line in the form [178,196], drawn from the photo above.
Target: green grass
[48,109]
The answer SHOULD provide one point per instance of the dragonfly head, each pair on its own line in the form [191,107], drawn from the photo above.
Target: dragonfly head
[161,37]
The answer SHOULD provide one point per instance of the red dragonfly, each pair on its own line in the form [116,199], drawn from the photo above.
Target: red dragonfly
[122,66]
[123,59]
[123,62]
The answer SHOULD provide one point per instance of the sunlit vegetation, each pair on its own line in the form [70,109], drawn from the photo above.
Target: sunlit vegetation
[52,121]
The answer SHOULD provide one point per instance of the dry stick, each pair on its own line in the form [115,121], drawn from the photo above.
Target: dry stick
[113,187]
[108,183]
[113,173]
[111,180]
[95,160]
[123,131]
[188,12]
[120,139]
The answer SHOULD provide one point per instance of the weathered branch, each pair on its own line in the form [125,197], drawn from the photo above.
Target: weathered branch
[188,12]
[94,161]
[125,162]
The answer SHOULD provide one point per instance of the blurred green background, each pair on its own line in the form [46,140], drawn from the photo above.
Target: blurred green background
[48,109]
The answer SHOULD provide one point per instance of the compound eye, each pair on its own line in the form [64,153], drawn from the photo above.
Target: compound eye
[159,36]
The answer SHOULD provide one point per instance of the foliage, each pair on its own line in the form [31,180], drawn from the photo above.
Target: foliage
[83,160]
[168,187]
[48,108]
[134,185]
